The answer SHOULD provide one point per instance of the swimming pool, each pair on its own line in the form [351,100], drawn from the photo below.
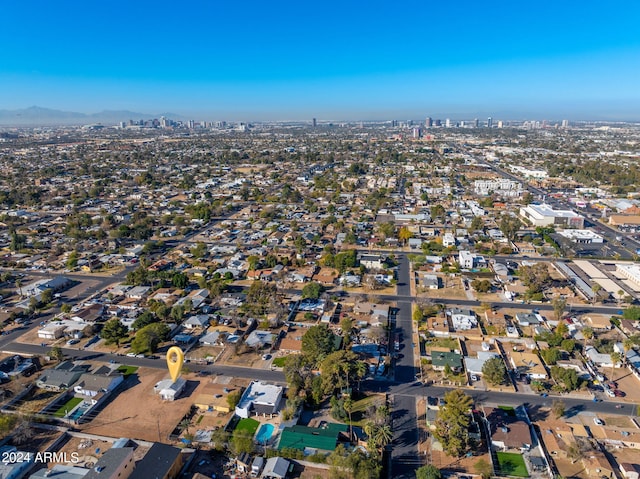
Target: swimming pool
[264,433]
[80,410]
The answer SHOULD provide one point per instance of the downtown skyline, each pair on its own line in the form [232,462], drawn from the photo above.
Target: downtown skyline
[255,62]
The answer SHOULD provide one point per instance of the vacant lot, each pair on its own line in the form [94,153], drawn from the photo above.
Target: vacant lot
[136,412]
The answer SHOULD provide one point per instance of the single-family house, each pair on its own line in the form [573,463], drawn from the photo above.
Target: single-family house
[258,339]
[372,261]
[260,398]
[196,321]
[440,359]
[508,432]
[276,468]
[309,439]
[115,463]
[462,319]
[168,390]
[161,461]
[528,364]
[101,381]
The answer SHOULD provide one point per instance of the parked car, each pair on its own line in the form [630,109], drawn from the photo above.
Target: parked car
[474,377]
[598,422]
[618,393]
[73,341]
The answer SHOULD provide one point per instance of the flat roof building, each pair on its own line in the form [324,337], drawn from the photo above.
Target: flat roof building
[545,215]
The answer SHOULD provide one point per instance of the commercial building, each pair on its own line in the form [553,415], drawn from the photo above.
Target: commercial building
[629,271]
[544,215]
[500,186]
[582,236]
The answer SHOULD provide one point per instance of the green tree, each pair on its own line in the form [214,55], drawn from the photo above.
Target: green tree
[7,423]
[428,472]
[559,305]
[233,398]
[509,225]
[494,371]
[318,342]
[404,235]
[113,331]
[65,308]
[632,313]
[452,423]
[477,223]
[587,334]
[56,353]
[180,280]
[550,355]
[148,338]
[72,260]
[535,277]
[481,285]
[241,441]
[199,250]
[312,290]
[340,370]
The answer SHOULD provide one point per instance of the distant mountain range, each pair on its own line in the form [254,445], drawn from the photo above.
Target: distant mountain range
[38,116]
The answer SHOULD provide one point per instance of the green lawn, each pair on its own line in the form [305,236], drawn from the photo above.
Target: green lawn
[511,464]
[361,406]
[67,407]
[248,424]
[509,410]
[279,362]
[127,370]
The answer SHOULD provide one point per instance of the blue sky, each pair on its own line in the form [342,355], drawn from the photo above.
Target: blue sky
[331,60]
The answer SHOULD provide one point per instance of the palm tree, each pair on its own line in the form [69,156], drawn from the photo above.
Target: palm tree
[627,344]
[184,424]
[616,357]
[587,334]
[384,435]
[347,405]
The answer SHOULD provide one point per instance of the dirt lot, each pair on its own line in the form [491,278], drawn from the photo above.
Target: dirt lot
[627,383]
[136,412]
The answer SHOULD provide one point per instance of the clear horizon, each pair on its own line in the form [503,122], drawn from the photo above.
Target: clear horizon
[335,61]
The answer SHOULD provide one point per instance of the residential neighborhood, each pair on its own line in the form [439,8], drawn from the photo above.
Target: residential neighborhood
[355,300]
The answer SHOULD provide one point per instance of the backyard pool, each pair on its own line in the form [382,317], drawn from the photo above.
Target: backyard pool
[80,410]
[264,433]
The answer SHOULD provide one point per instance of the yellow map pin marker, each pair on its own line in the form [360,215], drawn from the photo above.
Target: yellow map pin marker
[175,359]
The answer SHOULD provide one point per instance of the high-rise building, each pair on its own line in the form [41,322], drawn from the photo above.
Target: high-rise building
[476,123]
[417,132]
[428,122]
[314,122]
[500,124]
[437,123]
[489,122]
[447,123]
[565,123]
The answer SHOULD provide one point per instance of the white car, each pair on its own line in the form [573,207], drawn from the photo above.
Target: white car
[131,355]
[474,377]
[73,341]
[265,357]
[598,421]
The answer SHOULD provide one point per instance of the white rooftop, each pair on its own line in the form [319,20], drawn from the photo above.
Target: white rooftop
[260,393]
